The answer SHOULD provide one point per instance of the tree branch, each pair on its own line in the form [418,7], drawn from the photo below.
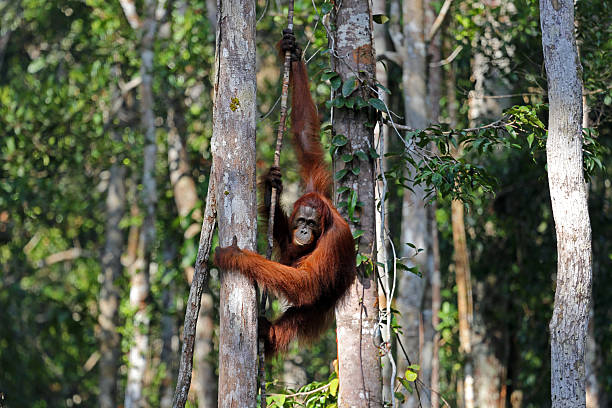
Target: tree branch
[67,255]
[129,9]
[448,59]
[438,21]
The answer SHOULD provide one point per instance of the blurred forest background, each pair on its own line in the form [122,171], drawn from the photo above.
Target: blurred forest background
[72,146]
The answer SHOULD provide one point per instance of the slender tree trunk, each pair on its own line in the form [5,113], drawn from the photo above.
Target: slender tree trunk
[139,284]
[487,368]
[109,293]
[381,134]
[436,283]
[206,379]
[186,199]
[233,150]
[414,214]
[569,323]
[431,299]
[434,94]
[465,388]
[463,281]
[169,335]
[357,315]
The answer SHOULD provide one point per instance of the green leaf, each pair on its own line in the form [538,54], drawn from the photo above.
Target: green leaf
[347,158]
[384,88]
[335,82]
[340,174]
[361,155]
[530,138]
[353,202]
[276,400]
[36,65]
[360,102]
[326,8]
[356,170]
[349,86]
[328,75]
[400,397]
[380,18]
[406,384]
[357,234]
[339,140]
[377,104]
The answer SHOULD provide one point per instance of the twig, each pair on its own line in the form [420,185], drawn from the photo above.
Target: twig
[448,59]
[298,394]
[200,277]
[129,9]
[438,21]
[67,255]
[493,125]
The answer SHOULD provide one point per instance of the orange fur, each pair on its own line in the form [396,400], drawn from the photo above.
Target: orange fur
[315,278]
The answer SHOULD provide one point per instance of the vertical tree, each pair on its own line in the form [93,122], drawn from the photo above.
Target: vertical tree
[381,138]
[233,151]
[464,299]
[139,282]
[434,95]
[568,326]
[108,317]
[409,42]
[357,316]
[186,199]
[109,293]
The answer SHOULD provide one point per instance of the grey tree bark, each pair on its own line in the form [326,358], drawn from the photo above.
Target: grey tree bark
[414,228]
[434,94]
[568,193]
[139,282]
[357,315]
[169,333]
[109,293]
[389,371]
[233,151]
[186,198]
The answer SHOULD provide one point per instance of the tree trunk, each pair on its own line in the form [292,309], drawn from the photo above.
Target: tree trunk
[431,298]
[389,371]
[357,315]
[464,298]
[139,284]
[109,293]
[436,283]
[487,368]
[568,326]
[414,214]
[206,379]
[434,94]
[233,151]
[186,199]
[169,333]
